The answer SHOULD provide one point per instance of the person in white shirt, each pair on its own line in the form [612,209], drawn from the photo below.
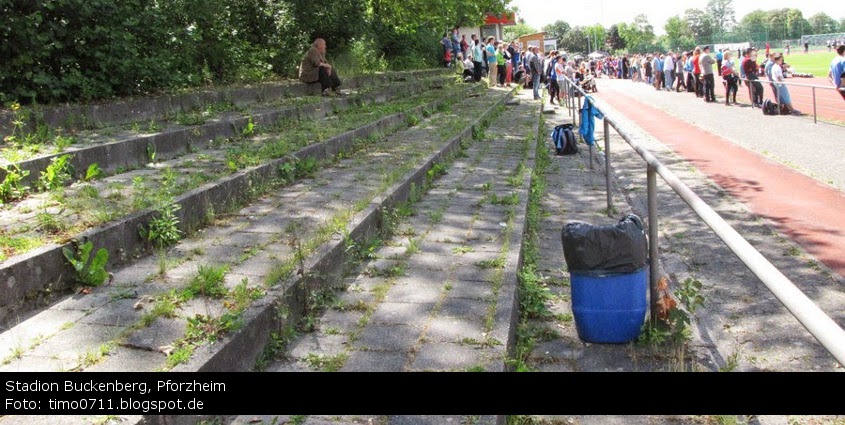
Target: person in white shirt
[784,99]
[560,70]
[669,70]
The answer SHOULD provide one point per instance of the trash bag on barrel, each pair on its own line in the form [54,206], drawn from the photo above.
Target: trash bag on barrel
[619,248]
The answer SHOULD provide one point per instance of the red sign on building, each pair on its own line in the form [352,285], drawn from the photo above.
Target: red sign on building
[503,19]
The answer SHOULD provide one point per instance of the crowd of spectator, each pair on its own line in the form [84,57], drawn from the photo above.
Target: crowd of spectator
[694,71]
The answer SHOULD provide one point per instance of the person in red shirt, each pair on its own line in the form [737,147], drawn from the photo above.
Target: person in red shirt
[696,73]
[749,68]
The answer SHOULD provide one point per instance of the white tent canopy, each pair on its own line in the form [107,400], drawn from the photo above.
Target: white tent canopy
[597,55]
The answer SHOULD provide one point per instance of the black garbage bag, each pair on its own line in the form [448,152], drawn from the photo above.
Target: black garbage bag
[620,248]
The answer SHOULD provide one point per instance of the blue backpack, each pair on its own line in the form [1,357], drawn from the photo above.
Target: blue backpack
[564,140]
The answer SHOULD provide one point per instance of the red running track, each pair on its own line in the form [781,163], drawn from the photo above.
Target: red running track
[809,212]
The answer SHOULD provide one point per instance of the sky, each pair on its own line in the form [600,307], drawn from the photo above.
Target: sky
[538,13]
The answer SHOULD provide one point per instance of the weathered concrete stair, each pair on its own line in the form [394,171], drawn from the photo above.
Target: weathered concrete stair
[106,323]
[26,275]
[155,107]
[132,150]
[441,293]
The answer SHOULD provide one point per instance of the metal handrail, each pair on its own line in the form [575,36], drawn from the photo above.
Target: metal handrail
[812,86]
[816,86]
[817,322]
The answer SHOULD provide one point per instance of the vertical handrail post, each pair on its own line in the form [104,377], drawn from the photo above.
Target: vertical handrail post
[653,248]
[607,168]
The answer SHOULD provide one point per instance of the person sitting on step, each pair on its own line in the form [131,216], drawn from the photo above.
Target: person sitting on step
[314,68]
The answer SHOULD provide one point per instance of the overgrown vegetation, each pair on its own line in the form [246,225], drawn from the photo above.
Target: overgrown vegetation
[92,49]
[533,295]
[674,322]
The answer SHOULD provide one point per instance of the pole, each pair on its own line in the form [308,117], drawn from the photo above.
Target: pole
[575,112]
[607,168]
[565,89]
[815,116]
[653,251]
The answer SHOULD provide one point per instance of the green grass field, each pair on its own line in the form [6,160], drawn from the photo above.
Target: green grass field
[816,63]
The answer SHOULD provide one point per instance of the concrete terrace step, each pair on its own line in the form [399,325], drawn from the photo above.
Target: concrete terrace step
[80,116]
[27,274]
[116,149]
[125,326]
[439,295]
[208,154]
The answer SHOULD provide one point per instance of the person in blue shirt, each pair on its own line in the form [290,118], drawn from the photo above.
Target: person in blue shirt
[837,70]
[477,56]
[719,58]
[657,64]
[491,47]
[689,68]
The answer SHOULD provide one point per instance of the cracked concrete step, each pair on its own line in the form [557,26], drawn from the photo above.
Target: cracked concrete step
[151,107]
[122,236]
[210,153]
[101,331]
[195,168]
[439,295]
[130,148]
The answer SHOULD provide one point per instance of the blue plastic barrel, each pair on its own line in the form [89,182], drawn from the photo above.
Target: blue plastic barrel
[609,307]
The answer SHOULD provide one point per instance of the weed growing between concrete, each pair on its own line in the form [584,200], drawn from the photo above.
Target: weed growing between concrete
[92,357]
[147,193]
[204,329]
[533,295]
[359,253]
[325,363]
[163,230]
[88,273]
[673,330]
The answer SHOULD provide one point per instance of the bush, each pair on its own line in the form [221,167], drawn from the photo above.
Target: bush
[72,50]
[66,50]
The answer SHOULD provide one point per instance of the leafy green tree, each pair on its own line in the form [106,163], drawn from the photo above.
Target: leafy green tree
[639,35]
[821,23]
[700,25]
[557,29]
[754,25]
[677,34]
[722,14]
[68,50]
[777,24]
[574,41]
[614,39]
[518,30]
[796,24]
[597,35]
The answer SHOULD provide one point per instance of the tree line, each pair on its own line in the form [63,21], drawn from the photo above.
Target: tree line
[69,50]
[716,23]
